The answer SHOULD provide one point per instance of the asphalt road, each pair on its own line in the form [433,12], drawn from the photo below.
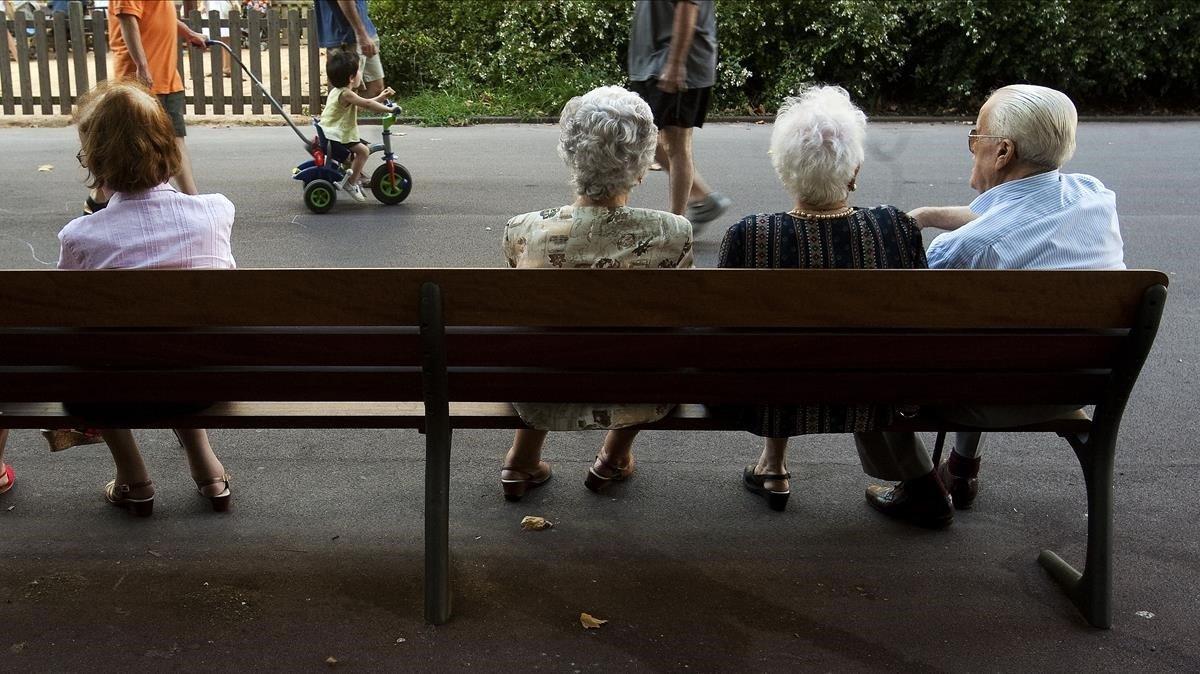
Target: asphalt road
[321,556]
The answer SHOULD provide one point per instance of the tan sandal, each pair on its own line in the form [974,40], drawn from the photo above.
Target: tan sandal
[220,502]
[118,495]
[597,482]
[515,489]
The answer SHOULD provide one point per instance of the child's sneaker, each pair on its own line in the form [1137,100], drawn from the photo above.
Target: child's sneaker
[355,192]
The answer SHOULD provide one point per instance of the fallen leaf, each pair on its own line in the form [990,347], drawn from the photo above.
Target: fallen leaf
[760,122]
[1144,614]
[331,661]
[45,168]
[401,640]
[17,648]
[155,554]
[531,523]
[589,622]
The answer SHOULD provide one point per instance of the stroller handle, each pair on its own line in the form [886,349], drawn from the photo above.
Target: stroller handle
[261,87]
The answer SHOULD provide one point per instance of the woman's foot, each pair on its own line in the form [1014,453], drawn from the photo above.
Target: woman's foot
[7,477]
[517,480]
[137,497]
[770,483]
[216,490]
[605,471]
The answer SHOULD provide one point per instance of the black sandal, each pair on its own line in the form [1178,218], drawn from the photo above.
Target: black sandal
[777,500]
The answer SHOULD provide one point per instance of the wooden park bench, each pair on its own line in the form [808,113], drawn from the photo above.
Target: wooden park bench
[438,349]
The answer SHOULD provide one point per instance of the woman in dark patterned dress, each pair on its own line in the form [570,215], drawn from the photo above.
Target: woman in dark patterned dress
[817,150]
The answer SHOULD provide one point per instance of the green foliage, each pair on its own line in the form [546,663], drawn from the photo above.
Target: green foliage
[460,58]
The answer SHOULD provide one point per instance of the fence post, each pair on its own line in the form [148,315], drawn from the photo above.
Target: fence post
[6,92]
[20,26]
[196,64]
[78,50]
[62,61]
[273,52]
[100,44]
[235,79]
[296,93]
[43,59]
[216,63]
[254,20]
[314,64]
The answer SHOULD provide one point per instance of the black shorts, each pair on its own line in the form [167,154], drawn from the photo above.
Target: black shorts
[340,152]
[685,109]
[174,104]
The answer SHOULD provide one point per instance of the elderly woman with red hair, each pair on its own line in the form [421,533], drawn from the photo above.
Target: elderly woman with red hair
[128,147]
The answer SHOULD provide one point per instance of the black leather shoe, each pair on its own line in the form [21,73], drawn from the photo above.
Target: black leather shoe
[776,500]
[923,501]
[962,489]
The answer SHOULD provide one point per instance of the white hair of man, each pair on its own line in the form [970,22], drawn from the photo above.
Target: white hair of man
[1041,121]
[607,139]
[817,144]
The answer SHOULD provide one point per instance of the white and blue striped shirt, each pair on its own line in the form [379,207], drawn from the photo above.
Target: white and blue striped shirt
[1050,220]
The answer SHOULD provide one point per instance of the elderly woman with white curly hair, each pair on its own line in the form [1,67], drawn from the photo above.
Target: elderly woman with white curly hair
[607,139]
[817,150]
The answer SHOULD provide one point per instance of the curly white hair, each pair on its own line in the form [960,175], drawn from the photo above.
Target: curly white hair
[817,144]
[607,139]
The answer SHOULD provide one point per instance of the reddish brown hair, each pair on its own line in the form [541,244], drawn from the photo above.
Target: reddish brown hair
[128,142]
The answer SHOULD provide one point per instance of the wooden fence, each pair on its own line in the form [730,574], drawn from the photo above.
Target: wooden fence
[59,57]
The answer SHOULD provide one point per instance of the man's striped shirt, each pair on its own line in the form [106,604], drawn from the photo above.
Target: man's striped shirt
[1050,220]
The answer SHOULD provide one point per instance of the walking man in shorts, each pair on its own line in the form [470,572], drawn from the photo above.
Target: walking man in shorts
[144,38]
[344,24]
[672,65]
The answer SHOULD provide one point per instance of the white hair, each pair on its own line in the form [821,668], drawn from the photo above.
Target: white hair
[1041,121]
[817,144]
[607,139]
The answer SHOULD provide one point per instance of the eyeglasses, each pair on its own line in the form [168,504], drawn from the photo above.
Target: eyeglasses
[972,136]
[79,158]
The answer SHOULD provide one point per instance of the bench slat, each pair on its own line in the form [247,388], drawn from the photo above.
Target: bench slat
[708,349]
[411,415]
[579,298]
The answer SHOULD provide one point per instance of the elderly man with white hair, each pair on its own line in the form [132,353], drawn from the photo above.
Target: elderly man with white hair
[817,148]
[607,139]
[1029,215]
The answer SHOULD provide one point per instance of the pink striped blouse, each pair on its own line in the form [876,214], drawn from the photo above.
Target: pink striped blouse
[160,228]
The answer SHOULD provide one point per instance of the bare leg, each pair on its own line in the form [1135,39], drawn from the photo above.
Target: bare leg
[360,160]
[373,88]
[699,189]
[202,462]
[525,455]
[184,180]
[12,46]
[678,144]
[773,461]
[226,62]
[130,467]
[618,446]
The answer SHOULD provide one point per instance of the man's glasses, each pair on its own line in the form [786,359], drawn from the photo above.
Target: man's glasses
[973,135]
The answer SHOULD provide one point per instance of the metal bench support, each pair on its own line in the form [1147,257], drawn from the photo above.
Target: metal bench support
[437,456]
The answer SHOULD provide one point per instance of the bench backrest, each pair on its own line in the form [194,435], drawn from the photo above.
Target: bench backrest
[698,336]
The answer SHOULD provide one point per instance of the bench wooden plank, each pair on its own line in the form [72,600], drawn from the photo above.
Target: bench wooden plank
[517,348]
[578,298]
[411,415]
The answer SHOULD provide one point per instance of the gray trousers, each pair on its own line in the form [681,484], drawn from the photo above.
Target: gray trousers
[902,456]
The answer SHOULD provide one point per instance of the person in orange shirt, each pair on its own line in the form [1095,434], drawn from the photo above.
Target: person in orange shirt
[144,37]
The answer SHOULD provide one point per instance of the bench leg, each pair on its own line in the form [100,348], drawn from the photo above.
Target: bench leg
[435,382]
[437,527]
[1091,590]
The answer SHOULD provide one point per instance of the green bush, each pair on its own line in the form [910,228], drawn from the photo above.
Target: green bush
[458,58]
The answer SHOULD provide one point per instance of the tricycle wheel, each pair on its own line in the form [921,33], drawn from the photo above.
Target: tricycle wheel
[391,187]
[319,196]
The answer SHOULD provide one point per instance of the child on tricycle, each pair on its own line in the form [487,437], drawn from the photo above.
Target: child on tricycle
[339,119]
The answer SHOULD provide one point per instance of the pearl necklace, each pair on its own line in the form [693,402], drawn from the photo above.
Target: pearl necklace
[829,215]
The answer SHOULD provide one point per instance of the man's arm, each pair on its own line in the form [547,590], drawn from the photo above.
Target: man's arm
[942,217]
[682,33]
[366,46]
[132,34]
[190,36]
